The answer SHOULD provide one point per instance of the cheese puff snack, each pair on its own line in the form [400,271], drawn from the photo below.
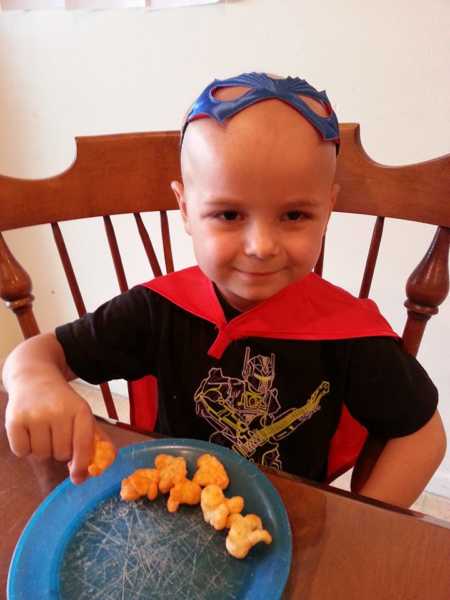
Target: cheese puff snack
[216,508]
[186,492]
[104,456]
[210,471]
[172,470]
[143,482]
[244,533]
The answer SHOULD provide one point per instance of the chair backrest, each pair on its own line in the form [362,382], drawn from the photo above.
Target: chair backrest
[130,173]
[112,174]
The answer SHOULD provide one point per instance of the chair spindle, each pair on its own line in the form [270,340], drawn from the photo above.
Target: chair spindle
[427,287]
[148,246]
[372,256]
[15,290]
[115,253]
[68,269]
[80,306]
[166,241]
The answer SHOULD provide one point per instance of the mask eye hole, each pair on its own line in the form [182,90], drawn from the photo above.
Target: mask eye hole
[323,110]
[225,94]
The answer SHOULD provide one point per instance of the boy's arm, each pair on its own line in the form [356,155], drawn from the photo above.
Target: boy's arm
[45,416]
[404,466]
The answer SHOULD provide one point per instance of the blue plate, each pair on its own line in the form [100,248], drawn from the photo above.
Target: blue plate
[83,542]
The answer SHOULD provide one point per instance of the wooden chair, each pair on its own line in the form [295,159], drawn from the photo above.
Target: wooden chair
[130,173]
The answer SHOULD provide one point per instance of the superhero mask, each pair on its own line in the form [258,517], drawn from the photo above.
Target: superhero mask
[263,87]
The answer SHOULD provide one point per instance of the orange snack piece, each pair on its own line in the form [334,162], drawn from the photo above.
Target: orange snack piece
[217,508]
[104,456]
[210,471]
[172,470]
[143,482]
[186,492]
[244,533]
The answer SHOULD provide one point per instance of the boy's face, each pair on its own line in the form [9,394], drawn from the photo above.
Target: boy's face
[256,196]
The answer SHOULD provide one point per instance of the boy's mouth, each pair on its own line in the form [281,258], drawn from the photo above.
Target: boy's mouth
[257,274]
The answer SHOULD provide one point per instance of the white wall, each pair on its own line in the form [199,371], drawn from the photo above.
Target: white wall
[384,64]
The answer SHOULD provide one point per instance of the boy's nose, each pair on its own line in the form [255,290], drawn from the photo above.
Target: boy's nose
[261,242]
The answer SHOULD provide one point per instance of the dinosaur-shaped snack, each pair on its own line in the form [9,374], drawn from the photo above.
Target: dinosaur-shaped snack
[103,457]
[244,533]
[210,471]
[217,508]
[185,492]
[172,470]
[143,482]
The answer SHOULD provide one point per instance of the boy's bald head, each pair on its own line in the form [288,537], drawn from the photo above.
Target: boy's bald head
[267,132]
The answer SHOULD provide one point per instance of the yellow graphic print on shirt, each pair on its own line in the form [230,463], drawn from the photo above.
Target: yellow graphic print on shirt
[246,411]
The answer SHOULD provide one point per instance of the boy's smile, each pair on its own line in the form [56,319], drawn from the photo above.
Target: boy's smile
[256,199]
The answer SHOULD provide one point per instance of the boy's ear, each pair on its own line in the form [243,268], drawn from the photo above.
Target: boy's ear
[178,190]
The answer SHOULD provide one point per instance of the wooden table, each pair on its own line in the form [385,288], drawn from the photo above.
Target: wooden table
[345,548]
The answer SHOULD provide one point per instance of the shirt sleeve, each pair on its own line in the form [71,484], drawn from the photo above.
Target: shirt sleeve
[116,341]
[388,391]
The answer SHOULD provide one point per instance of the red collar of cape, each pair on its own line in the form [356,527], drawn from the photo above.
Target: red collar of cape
[308,309]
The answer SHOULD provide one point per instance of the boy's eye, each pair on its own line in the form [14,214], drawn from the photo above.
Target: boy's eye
[228,215]
[293,215]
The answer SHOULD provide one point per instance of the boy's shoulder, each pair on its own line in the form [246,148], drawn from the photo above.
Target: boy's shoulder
[309,309]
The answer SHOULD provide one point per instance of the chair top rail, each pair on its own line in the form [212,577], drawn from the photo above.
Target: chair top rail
[415,192]
[111,174]
[131,173]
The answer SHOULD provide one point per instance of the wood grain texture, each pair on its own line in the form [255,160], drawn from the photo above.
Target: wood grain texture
[112,174]
[15,290]
[417,192]
[372,256]
[148,246]
[115,254]
[426,289]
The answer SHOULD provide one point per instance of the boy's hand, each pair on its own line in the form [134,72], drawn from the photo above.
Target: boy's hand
[59,425]
[45,417]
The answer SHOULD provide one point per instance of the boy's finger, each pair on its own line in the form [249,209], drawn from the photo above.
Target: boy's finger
[19,439]
[62,441]
[41,440]
[83,445]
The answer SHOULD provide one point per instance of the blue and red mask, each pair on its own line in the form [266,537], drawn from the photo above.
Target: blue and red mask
[263,87]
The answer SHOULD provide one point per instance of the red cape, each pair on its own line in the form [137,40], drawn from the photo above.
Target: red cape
[309,309]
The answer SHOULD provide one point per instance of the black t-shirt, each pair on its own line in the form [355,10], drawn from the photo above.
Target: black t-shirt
[277,402]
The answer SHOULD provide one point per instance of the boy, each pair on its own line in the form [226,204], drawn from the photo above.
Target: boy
[250,349]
